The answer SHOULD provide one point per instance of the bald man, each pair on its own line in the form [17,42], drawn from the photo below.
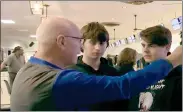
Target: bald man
[44,83]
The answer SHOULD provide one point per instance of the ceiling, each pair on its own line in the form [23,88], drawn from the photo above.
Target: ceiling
[82,12]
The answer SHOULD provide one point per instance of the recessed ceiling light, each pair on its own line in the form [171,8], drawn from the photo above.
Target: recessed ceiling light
[8,21]
[124,7]
[33,36]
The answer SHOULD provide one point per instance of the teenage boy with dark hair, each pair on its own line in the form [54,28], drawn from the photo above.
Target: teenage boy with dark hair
[167,93]
[95,42]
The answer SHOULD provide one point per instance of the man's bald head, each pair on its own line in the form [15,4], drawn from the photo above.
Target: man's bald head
[52,27]
[59,41]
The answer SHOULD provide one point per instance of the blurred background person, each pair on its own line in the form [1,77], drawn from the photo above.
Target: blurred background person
[126,60]
[141,63]
[109,60]
[14,62]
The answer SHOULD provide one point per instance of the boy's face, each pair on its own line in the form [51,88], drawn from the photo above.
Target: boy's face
[94,49]
[152,52]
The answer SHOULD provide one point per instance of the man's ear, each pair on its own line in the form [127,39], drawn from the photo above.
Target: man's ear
[60,40]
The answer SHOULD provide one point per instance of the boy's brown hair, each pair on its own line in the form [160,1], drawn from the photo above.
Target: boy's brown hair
[96,32]
[158,35]
[127,56]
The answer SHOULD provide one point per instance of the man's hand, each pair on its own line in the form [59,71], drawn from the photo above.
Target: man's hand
[2,66]
[176,57]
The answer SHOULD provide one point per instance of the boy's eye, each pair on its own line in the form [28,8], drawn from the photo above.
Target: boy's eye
[152,45]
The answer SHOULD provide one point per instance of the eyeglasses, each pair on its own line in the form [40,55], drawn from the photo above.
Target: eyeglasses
[75,37]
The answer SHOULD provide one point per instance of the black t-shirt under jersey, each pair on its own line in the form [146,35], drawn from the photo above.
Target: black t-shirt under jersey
[167,93]
[104,69]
